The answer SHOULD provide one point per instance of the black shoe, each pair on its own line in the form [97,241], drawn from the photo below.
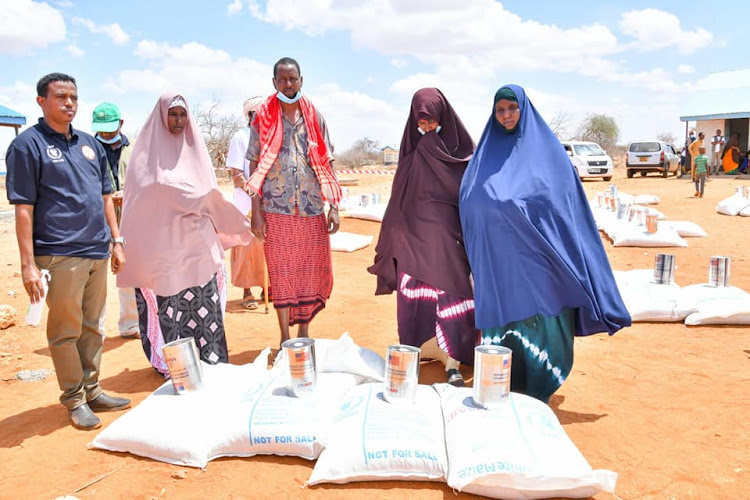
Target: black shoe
[455,378]
[83,418]
[108,403]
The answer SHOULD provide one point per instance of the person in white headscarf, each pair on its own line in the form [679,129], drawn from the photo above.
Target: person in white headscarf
[247,262]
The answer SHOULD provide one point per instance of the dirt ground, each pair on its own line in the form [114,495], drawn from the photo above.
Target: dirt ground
[663,405]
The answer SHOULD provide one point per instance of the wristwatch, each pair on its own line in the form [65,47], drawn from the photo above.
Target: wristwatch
[119,239]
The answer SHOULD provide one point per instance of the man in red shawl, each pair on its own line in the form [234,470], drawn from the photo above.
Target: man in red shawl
[291,178]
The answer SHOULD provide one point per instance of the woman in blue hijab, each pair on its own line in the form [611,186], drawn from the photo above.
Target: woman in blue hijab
[540,272]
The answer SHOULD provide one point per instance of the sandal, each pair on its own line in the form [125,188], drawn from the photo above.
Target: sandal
[263,296]
[455,378]
[249,303]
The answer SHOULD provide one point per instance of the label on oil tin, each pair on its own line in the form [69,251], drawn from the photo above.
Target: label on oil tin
[401,373]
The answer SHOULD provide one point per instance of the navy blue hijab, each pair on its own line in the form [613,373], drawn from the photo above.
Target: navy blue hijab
[530,236]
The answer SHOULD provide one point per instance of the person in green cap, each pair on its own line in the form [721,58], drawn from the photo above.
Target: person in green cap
[107,127]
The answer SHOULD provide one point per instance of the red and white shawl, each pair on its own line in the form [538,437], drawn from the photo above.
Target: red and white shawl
[271,130]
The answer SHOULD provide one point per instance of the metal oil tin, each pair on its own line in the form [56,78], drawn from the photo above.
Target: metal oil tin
[184,365]
[401,373]
[364,200]
[300,354]
[746,190]
[375,198]
[664,269]
[491,375]
[652,223]
[718,274]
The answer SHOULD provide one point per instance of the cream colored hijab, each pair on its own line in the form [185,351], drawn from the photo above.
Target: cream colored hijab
[175,221]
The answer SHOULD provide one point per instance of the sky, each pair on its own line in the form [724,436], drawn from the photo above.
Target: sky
[638,62]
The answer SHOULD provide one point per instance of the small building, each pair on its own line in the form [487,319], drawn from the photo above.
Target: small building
[390,155]
[727,110]
[10,118]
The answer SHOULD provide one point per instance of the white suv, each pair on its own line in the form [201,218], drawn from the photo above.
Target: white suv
[589,159]
[652,156]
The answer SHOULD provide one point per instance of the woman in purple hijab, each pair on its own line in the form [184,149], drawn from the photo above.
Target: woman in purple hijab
[420,252]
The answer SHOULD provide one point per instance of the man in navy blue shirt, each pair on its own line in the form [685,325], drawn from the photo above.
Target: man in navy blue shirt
[58,181]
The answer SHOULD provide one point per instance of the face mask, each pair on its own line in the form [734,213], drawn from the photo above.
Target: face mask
[113,140]
[281,97]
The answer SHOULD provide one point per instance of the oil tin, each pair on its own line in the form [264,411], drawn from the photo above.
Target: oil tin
[303,374]
[739,191]
[364,200]
[491,375]
[401,373]
[747,192]
[718,273]
[652,223]
[664,269]
[613,189]
[184,365]
[375,198]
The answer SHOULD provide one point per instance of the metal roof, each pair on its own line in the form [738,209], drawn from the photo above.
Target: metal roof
[11,118]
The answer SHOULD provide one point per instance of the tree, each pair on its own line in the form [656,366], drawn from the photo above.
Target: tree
[364,151]
[601,129]
[217,130]
[559,124]
[667,137]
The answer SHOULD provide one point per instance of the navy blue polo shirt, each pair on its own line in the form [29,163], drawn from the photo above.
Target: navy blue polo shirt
[64,180]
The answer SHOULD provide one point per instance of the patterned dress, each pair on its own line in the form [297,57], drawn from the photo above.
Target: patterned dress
[196,312]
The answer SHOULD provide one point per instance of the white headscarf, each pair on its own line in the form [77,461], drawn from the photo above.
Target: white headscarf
[250,105]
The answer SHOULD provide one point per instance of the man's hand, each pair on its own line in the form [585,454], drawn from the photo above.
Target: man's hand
[117,261]
[32,282]
[258,224]
[117,198]
[333,219]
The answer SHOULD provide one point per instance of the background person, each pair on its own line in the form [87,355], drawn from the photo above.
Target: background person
[247,262]
[701,172]
[177,225]
[693,149]
[731,155]
[717,145]
[420,252]
[540,271]
[59,183]
[107,125]
[290,180]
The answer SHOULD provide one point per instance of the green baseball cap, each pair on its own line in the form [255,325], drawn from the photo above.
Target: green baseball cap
[106,118]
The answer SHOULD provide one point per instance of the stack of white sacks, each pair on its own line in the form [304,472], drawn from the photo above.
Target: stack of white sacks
[622,217]
[737,204]
[518,451]
[699,304]
[368,206]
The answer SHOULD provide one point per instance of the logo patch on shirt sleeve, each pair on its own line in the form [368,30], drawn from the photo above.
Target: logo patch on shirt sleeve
[88,153]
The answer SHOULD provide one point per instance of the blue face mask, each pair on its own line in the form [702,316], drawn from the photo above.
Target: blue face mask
[281,97]
[113,140]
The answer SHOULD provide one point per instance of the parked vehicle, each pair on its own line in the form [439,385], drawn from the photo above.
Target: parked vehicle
[589,159]
[652,156]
